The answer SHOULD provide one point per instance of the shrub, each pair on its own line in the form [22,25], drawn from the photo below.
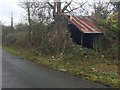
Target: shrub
[16,38]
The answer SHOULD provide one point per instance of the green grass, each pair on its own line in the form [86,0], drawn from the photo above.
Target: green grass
[99,70]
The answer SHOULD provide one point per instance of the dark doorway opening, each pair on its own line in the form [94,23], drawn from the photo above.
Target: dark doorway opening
[80,38]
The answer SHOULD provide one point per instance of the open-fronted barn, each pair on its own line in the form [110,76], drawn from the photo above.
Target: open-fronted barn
[83,31]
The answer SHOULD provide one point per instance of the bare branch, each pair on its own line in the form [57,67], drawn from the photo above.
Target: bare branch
[50,5]
[65,7]
[78,7]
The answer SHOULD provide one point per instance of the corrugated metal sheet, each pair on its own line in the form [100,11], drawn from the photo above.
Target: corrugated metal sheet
[83,24]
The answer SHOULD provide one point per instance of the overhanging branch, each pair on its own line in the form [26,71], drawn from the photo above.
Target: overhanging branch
[50,5]
[77,7]
[65,7]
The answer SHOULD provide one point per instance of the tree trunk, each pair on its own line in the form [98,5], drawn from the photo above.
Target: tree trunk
[11,22]
[118,36]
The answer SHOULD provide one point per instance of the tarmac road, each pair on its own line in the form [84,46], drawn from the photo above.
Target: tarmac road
[20,73]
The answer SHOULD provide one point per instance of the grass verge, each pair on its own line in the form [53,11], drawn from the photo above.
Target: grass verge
[97,70]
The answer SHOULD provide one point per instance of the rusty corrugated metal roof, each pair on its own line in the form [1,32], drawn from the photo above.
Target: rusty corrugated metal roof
[83,24]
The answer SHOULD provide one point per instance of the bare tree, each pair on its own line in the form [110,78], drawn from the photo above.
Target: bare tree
[101,9]
[119,14]
[58,38]
[58,10]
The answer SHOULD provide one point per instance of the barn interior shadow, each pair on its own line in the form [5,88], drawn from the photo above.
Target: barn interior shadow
[80,38]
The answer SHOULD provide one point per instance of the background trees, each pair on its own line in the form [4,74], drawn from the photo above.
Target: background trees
[46,30]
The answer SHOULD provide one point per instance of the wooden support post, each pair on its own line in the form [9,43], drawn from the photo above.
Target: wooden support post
[93,43]
[82,39]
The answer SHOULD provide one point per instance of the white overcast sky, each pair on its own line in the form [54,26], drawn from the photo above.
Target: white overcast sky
[11,6]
